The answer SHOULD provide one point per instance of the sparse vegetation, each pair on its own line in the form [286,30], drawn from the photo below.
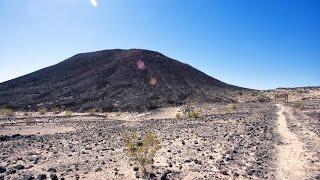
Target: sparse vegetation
[206,106]
[29,120]
[68,113]
[6,112]
[193,114]
[141,150]
[42,110]
[55,110]
[118,113]
[232,107]
[178,115]
[298,105]
[92,111]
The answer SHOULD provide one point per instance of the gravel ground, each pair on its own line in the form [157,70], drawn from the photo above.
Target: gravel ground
[221,144]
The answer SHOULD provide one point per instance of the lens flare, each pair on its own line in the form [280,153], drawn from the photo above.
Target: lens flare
[153,81]
[141,65]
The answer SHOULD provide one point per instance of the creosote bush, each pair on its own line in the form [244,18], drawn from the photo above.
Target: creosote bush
[232,107]
[29,120]
[42,110]
[55,110]
[298,105]
[68,113]
[118,113]
[6,112]
[206,106]
[141,149]
[193,114]
[92,111]
[178,115]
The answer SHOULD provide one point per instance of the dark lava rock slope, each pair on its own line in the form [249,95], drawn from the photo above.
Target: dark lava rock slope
[112,80]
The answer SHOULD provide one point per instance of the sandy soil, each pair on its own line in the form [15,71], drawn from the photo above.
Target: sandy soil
[291,154]
[34,130]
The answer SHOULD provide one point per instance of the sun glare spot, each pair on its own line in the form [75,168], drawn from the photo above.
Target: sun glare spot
[94,3]
[140,65]
[153,81]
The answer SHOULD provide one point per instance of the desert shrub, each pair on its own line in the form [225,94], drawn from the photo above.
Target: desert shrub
[6,112]
[55,110]
[92,111]
[205,106]
[29,121]
[68,113]
[193,114]
[298,105]
[232,107]
[141,150]
[118,113]
[178,115]
[42,110]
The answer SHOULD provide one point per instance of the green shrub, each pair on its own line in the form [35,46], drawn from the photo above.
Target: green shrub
[298,105]
[232,107]
[68,113]
[141,150]
[205,106]
[55,110]
[118,113]
[29,121]
[6,112]
[92,111]
[178,115]
[193,114]
[42,110]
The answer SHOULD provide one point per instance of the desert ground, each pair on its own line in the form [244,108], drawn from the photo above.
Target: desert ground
[239,141]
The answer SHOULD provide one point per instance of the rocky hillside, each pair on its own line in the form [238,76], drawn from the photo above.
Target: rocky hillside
[113,80]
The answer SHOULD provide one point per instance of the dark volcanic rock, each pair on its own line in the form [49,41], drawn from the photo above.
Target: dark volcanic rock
[2,169]
[110,80]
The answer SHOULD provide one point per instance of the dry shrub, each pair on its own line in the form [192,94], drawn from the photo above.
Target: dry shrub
[92,111]
[193,114]
[298,105]
[29,120]
[205,106]
[232,107]
[178,115]
[141,150]
[68,113]
[55,110]
[118,113]
[6,112]
[42,110]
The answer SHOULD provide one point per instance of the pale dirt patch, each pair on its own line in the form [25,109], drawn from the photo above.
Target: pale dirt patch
[291,154]
[34,130]
[163,113]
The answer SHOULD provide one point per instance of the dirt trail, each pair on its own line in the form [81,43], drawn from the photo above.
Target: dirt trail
[291,154]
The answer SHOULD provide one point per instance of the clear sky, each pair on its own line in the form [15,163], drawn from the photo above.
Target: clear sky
[258,44]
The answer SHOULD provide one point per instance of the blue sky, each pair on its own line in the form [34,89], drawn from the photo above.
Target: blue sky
[258,44]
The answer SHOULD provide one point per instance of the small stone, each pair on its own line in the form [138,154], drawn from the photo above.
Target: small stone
[52,170]
[135,169]
[2,169]
[27,177]
[98,169]
[11,171]
[225,173]
[41,177]
[19,167]
[53,176]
